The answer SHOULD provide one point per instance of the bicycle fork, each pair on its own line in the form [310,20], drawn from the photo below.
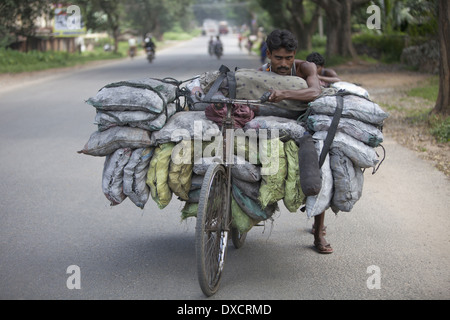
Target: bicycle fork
[228,153]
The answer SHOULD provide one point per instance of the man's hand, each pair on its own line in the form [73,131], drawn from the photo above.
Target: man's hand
[276,96]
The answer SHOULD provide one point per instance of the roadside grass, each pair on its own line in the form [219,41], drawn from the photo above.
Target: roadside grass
[12,61]
[438,125]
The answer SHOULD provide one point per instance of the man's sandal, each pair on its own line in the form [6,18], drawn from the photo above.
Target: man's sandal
[325,249]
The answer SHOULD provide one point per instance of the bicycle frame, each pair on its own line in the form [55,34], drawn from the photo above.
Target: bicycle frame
[228,143]
[215,223]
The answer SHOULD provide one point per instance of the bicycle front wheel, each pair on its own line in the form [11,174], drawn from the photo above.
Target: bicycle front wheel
[211,233]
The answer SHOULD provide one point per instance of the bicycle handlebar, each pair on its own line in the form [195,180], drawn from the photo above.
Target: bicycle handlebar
[261,100]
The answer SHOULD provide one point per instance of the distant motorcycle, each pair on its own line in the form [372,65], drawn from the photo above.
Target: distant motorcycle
[132,52]
[150,54]
[150,48]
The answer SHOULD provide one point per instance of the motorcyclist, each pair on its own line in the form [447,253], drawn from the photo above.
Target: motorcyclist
[132,47]
[149,44]
[150,47]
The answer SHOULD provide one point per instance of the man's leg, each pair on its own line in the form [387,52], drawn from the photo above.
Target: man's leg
[319,240]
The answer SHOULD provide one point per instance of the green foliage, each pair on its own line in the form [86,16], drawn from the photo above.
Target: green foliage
[438,125]
[319,45]
[18,18]
[440,128]
[178,34]
[425,13]
[387,47]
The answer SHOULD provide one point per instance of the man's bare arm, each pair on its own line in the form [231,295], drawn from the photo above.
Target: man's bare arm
[309,71]
[329,76]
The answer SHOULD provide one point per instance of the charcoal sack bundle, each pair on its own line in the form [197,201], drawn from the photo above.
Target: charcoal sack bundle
[252,84]
[127,113]
[352,149]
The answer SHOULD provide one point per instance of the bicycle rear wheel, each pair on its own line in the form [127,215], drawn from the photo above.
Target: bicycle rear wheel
[237,237]
[211,232]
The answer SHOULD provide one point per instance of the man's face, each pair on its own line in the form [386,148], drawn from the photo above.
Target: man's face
[281,61]
[319,69]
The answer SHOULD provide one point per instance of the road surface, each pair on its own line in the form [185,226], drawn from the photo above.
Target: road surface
[57,224]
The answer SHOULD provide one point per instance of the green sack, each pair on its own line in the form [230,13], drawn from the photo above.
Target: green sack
[189,210]
[273,172]
[194,195]
[180,170]
[294,196]
[240,221]
[246,147]
[157,175]
[251,207]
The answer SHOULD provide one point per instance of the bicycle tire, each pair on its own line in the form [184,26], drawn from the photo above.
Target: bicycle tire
[237,237]
[211,237]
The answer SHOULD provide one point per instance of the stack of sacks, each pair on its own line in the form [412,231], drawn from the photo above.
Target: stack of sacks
[351,151]
[153,151]
[171,168]
[127,114]
[187,145]
[257,186]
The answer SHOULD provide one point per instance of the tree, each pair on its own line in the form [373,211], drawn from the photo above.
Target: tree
[294,16]
[338,30]
[303,29]
[156,16]
[112,11]
[104,15]
[443,101]
[17,18]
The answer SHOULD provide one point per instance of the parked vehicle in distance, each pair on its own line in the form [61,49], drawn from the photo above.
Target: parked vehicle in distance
[223,27]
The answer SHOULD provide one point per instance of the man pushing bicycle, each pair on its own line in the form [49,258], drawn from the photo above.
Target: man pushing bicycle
[281,50]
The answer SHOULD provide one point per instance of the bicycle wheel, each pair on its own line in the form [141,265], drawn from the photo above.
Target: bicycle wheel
[237,237]
[211,229]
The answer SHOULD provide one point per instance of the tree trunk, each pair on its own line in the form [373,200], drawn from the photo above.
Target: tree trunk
[338,26]
[443,101]
[345,32]
[116,39]
[302,30]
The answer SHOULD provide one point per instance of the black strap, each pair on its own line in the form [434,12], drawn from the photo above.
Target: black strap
[223,74]
[332,129]
[231,84]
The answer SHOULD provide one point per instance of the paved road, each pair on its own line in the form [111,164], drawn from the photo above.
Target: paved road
[53,213]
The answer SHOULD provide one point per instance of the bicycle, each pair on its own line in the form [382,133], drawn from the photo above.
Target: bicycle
[214,219]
